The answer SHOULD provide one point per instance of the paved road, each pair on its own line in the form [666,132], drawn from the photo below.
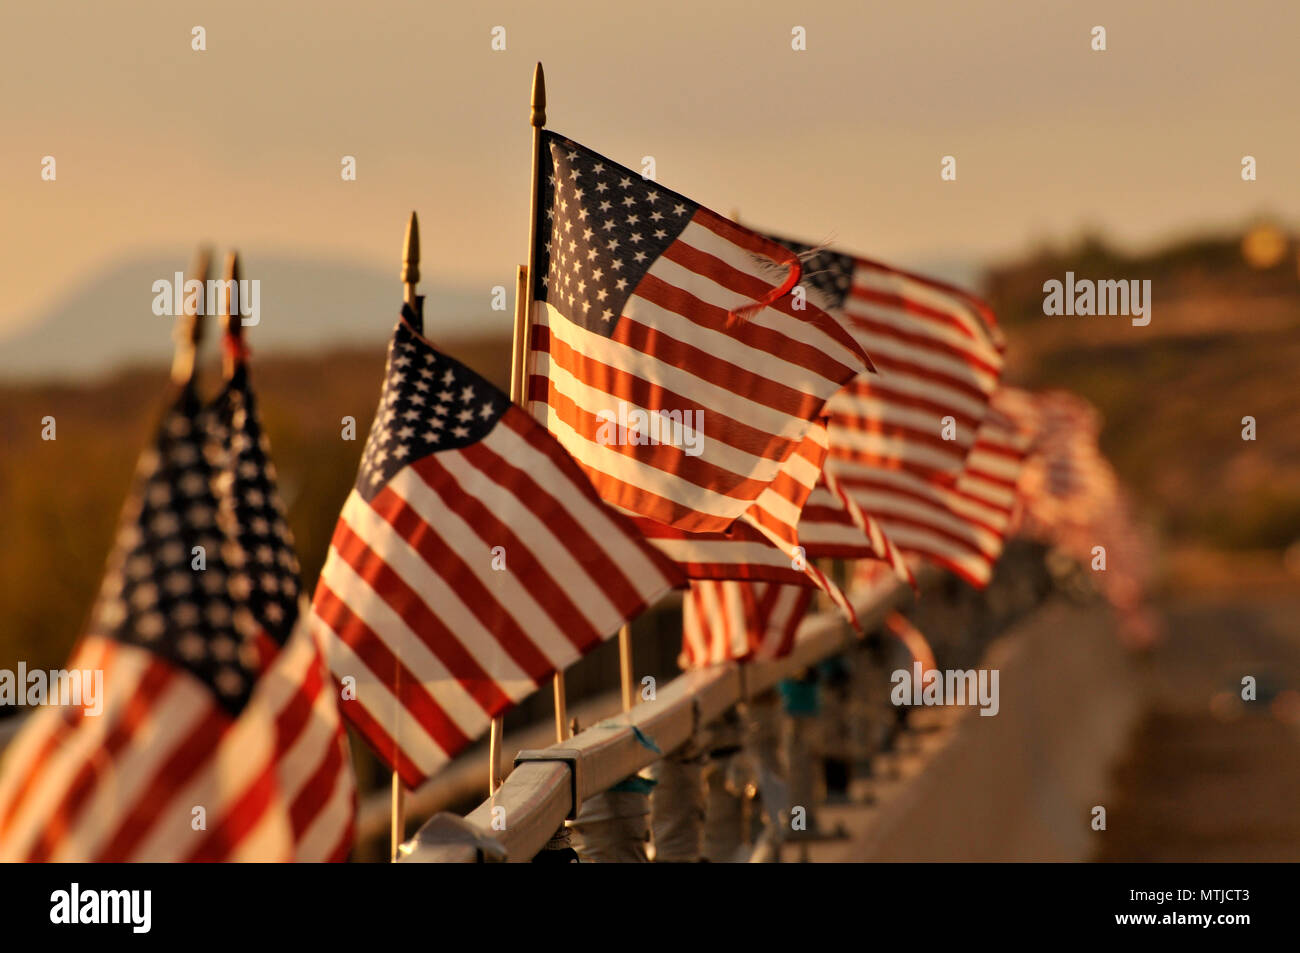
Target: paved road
[1208,777]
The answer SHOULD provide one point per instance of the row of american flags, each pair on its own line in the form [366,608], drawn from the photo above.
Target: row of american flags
[846,410]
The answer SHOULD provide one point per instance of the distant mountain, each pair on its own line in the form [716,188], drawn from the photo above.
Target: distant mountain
[107,321]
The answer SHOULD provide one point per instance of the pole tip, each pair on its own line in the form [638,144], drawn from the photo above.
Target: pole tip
[538,118]
[201,264]
[189,323]
[232,328]
[411,251]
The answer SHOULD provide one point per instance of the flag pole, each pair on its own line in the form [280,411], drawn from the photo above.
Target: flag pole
[519,358]
[625,665]
[231,325]
[189,324]
[410,276]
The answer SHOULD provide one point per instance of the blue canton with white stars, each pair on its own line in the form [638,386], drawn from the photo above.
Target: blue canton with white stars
[156,593]
[429,403]
[600,227]
[248,485]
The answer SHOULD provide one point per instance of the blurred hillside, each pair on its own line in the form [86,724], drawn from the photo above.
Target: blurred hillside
[1223,343]
[304,305]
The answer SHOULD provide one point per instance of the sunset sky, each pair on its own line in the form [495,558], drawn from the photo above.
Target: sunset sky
[158,146]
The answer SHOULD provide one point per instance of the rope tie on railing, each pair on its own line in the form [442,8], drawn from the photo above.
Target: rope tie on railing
[613,827]
[763,726]
[677,807]
[558,850]
[802,703]
[724,787]
[835,748]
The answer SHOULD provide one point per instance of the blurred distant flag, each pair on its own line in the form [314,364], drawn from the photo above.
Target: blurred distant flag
[960,527]
[939,353]
[1068,480]
[731,620]
[471,561]
[315,764]
[1071,498]
[653,313]
[213,743]
[934,494]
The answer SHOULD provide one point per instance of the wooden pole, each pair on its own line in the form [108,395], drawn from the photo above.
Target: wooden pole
[523,326]
[625,666]
[189,324]
[231,322]
[410,276]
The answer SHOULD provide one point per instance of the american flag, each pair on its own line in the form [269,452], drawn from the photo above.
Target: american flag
[763,548]
[806,511]
[210,745]
[766,545]
[1067,479]
[939,353]
[471,561]
[315,763]
[652,309]
[935,495]
[731,620]
[1071,498]
[960,527]
[833,526]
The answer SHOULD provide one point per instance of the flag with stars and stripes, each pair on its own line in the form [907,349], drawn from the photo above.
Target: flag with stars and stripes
[961,526]
[315,763]
[938,350]
[732,620]
[472,560]
[1071,498]
[805,512]
[205,743]
[667,353]
[764,545]
[833,526]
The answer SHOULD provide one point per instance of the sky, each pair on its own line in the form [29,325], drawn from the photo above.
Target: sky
[159,146]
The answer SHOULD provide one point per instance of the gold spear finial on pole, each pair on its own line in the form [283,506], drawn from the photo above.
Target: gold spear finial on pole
[231,323]
[538,117]
[188,330]
[411,263]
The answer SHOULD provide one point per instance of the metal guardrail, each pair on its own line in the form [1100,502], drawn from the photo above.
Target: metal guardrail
[548,785]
